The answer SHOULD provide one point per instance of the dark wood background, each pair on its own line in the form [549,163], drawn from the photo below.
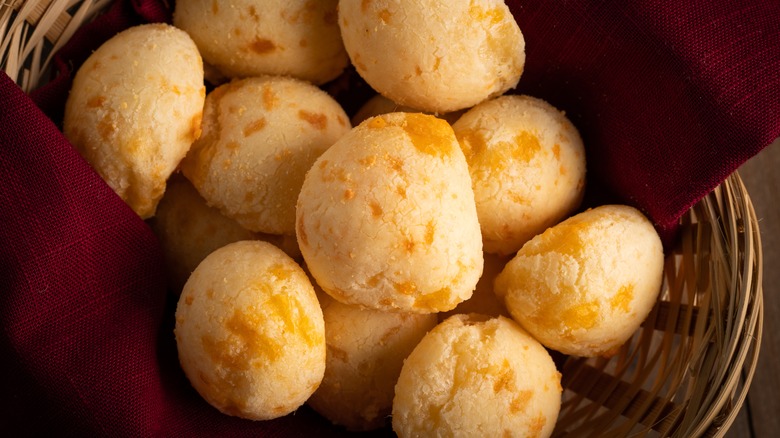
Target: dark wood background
[760,415]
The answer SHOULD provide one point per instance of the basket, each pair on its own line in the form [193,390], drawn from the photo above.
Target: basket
[684,373]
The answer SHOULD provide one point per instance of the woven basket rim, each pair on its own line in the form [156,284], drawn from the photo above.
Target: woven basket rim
[707,325]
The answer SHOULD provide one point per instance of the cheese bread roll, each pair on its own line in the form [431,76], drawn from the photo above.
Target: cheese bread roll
[433,55]
[189,230]
[135,108]
[366,349]
[584,286]
[477,376]
[386,217]
[250,331]
[260,136]
[243,38]
[527,165]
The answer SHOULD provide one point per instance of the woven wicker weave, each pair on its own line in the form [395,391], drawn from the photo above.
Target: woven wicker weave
[685,373]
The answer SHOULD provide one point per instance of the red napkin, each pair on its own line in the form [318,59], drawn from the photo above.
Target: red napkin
[670,98]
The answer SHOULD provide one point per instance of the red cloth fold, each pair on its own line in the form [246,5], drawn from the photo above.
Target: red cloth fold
[670,99]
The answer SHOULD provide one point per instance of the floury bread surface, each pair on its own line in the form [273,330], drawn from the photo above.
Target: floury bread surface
[527,165]
[386,217]
[476,376]
[250,331]
[243,38]
[260,137]
[135,108]
[584,286]
[433,55]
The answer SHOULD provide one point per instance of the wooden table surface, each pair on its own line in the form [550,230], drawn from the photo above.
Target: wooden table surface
[760,415]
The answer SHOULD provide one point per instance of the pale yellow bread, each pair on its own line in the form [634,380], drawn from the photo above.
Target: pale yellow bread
[250,331]
[386,217]
[432,55]
[527,166]
[477,376]
[366,349]
[584,286]
[260,137]
[135,108]
[245,38]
